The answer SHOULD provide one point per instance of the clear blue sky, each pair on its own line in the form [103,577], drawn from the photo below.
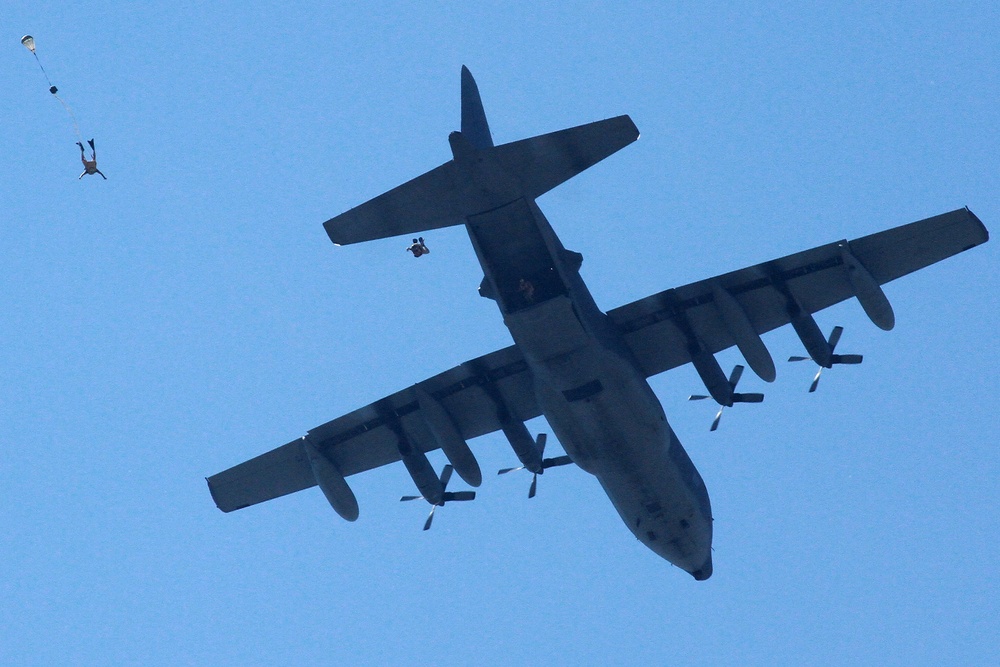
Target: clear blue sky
[189,313]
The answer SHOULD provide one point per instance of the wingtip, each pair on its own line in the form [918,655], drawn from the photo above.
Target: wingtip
[332,232]
[985,233]
[215,499]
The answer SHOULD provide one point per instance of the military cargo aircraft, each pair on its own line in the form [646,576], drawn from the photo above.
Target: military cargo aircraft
[585,370]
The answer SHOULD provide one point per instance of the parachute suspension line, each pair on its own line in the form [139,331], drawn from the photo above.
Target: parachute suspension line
[29,43]
[76,127]
[46,74]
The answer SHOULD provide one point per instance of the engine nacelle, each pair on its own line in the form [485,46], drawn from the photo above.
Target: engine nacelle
[747,339]
[812,338]
[331,482]
[451,442]
[711,374]
[867,290]
[423,475]
[523,444]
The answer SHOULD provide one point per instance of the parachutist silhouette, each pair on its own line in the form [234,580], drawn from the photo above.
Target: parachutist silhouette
[89,166]
[419,247]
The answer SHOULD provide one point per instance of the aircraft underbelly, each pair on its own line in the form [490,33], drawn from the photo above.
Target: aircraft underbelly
[611,424]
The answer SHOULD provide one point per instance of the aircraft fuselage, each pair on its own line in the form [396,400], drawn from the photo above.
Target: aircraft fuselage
[592,393]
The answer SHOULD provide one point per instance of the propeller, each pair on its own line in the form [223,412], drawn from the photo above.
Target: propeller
[734,379]
[446,496]
[834,358]
[546,464]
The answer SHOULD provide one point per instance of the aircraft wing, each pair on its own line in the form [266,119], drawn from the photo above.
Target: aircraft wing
[361,440]
[654,327]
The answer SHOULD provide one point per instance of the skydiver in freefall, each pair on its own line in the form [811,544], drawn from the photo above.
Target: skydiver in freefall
[419,248]
[89,166]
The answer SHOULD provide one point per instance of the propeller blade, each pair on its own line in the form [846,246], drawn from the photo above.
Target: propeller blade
[430,518]
[718,416]
[446,476]
[812,387]
[555,462]
[546,463]
[735,376]
[697,397]
[460,495]
[835,337]
[848,359]
[405,498]
[799,358]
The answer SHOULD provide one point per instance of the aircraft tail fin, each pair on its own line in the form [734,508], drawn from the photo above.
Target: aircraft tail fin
[457,190]
[474,126]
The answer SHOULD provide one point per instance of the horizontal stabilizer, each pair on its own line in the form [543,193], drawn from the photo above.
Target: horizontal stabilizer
[429,201]
[443,197]
[543,162]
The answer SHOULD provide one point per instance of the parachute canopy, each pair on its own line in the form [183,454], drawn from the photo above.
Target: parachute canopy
[29,42]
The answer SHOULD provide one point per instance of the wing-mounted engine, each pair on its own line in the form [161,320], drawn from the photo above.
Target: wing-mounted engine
[822,352]
[445,433]
[867,290]
[728,392]
[872,299]
[721,388]
[543,465]
[529,451]
[436,493]
[747,339]
[432,488]
[819,347]
[331,481]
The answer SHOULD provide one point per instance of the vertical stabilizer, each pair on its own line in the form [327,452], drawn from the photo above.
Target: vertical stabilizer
[475,129]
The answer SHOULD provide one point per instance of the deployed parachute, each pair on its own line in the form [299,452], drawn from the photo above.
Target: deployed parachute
[29,43]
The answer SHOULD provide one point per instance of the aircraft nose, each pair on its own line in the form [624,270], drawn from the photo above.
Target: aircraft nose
[705,571]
